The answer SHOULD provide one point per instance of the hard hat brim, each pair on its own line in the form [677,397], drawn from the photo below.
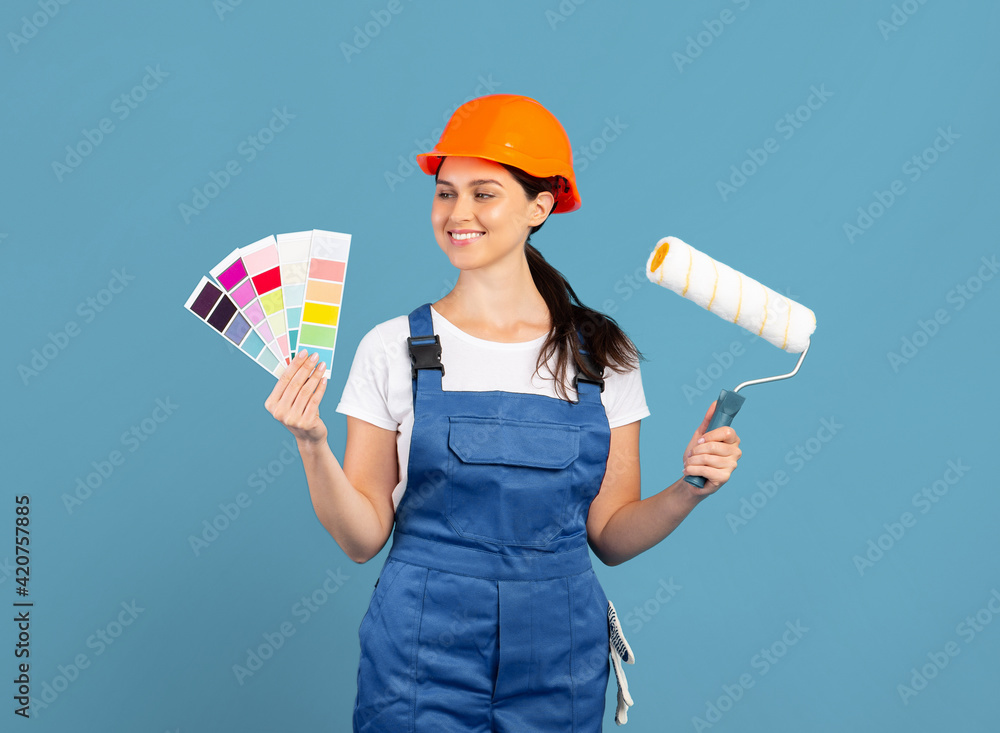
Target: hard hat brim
[568,200]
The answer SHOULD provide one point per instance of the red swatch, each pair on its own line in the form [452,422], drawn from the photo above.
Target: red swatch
[267,281]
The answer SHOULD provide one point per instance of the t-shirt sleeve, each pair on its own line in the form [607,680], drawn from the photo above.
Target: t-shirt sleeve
[366,393]
[626,400]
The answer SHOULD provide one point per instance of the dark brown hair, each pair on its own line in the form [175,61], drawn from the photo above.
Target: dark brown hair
[604,339]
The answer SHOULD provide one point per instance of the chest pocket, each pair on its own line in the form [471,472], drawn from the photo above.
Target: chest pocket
[510,482]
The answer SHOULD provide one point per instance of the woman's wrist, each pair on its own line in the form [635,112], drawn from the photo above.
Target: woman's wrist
[311,446]
[687,495]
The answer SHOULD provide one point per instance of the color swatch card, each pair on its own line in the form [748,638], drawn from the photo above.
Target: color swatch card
[324,293]
[293,256]
[261,261]
[278,295]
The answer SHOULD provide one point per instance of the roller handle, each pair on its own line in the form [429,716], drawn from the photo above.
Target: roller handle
[728,405]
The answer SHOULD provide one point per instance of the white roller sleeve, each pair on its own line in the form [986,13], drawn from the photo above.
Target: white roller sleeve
[730,294]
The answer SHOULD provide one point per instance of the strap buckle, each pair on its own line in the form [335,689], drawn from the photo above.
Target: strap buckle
[580,377]
[424,353]
[590,380]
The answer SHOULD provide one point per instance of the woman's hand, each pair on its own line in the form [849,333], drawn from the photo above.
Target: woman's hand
[711,455]
[294,401]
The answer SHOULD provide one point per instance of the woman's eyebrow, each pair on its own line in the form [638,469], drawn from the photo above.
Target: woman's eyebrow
[477,182]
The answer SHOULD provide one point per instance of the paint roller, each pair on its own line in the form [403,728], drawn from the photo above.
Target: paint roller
[737,298]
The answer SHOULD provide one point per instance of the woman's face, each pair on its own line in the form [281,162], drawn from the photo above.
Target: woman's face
[481,214]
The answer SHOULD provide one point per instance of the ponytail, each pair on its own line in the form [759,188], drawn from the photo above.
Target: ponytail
[603,338]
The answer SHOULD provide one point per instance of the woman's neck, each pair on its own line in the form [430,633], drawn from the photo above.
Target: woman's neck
[508,311]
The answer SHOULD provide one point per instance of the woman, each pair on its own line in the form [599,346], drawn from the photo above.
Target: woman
[487,615]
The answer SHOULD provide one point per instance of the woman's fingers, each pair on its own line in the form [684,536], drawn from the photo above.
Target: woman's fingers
[714,477]
[318,394]
[725,434]
[282,397]
[705,421]
[700,431]
[727,451]
[294,401]
[715,448]
[716,458]
[724,440]
[298,378]
[717,451]
[273,400]
[712,460]
[302,408]
[716,469]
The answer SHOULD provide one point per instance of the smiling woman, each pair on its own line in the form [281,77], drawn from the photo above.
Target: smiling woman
[491,483]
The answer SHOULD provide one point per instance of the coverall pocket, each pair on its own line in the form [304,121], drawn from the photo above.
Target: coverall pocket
[382,585]
[388,643]
[510,481]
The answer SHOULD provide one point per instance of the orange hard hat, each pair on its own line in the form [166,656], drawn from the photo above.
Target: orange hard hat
[511,129]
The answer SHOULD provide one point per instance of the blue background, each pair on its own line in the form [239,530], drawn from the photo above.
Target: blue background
[672,130]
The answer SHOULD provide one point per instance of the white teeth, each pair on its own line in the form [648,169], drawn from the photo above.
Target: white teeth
[470,235]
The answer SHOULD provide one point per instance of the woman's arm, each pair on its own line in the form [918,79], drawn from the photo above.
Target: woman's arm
[620,524]
[353,503]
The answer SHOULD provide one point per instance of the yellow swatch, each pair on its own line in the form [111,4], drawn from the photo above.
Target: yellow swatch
[319,313]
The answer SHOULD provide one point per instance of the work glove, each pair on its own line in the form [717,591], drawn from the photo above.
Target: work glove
[620,651]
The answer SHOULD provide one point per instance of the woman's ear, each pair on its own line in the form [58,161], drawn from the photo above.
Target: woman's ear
[541,207]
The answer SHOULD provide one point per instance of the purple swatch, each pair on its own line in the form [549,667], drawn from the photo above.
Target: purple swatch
[222,314]
[233,274]
[208,296]
[238,329]
[244,294]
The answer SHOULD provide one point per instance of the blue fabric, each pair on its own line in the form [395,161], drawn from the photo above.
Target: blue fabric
[488,615]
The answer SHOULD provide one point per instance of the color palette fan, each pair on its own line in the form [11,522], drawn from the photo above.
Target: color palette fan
[277,295]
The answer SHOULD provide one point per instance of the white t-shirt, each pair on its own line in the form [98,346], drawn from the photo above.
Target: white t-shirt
[379,388]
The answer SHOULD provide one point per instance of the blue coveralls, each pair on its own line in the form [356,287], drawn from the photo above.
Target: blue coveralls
[487,615]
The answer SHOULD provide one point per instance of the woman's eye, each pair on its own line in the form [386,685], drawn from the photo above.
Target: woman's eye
[446,194]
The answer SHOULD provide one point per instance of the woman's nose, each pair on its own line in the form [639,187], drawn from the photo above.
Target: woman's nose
[462,210]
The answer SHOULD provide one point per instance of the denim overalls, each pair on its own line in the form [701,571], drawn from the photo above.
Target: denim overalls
[487,615]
